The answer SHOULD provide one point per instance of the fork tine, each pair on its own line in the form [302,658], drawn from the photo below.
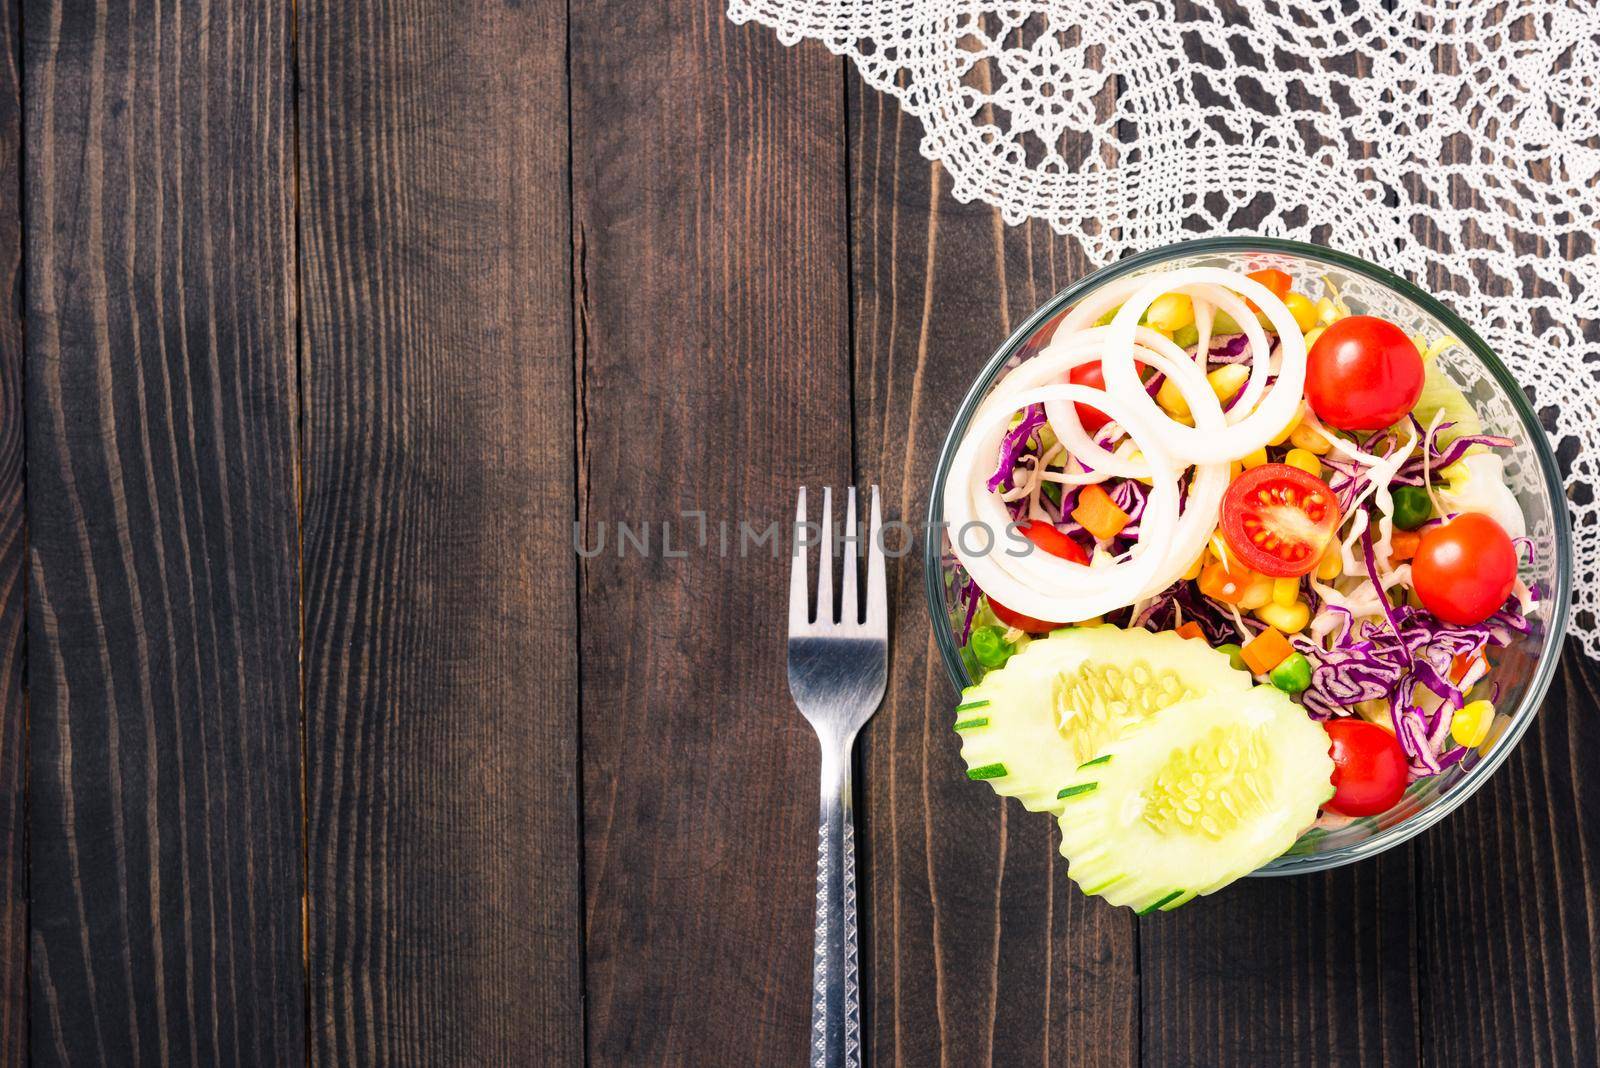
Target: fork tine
[877,601]
[849,607]
[825,562]
[799,590]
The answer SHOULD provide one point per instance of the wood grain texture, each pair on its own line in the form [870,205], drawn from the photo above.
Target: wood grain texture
[708,195]
[13,556]
[160,401]
[440,651]
[1508,907]
[982,951]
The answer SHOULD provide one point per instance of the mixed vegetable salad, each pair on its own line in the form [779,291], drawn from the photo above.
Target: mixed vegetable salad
[1258,558]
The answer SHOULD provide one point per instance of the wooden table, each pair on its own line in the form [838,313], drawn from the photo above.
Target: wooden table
[320,742]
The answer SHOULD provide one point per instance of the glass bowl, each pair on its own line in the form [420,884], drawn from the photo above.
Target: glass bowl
[1523,670]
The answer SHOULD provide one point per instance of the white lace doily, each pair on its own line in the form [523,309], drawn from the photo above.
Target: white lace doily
[1455,141]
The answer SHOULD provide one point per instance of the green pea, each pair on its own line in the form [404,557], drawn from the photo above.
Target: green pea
[988,644]
[1411,507]
[1293,675]
[1235,656]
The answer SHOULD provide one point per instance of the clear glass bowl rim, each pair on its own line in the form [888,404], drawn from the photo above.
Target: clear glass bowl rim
[1558,604]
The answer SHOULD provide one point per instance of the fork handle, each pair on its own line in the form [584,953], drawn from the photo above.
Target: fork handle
[835,989]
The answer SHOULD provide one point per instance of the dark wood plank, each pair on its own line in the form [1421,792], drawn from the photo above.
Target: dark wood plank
[13,554]
[982,951]
[709,206]
[162,614]
[1305,969]
[441,658]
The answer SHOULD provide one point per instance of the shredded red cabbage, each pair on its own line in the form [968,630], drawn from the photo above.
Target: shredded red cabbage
[1387,660]
[1444,455]
[1015,445]
[1163,611]
[1233,348]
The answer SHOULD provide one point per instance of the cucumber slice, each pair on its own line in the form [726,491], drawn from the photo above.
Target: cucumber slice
[1057,702]
[1196,796]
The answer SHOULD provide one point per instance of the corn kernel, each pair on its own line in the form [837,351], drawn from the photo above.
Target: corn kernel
[1170,398]
[1285,591]
[1327,311]
[1228,380]
[1290,620]
[1255,459]
[1304,312]
[1470,725]
[1305,460]
[1307,437]
[1312,335]
[1294,421]
[1092,621]
[1332,563]
[1456,473]
[1194,568]
[1170,312]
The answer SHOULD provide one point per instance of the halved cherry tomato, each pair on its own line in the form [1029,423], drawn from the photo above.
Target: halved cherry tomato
[1020,621]
[1363,373]
[1279,519]
[1369,768]
[1465,569]
[1053,541]
[1273,279]
[1092,375]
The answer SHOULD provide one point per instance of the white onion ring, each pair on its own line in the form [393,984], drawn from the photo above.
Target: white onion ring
[1052,588]
[1061,357]
[1259,423]
[1033,584]
[1193,529]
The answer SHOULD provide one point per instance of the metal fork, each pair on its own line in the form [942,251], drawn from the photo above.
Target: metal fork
[837,670]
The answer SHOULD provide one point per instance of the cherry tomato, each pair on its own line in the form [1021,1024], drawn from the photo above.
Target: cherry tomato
[1273,279]
[1090,374]
[1369,768]
[1053,541]
[1020,621]
[1278,519]
[1464,569]
[1363,373]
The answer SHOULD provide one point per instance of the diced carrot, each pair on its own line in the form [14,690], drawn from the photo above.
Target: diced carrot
[1403,545]
[1190,629]
[1220,583]
[1266,650]
[1099,514]
[1273,279]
